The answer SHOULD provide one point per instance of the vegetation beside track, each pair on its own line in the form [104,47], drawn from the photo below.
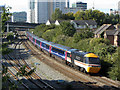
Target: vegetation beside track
[83,40]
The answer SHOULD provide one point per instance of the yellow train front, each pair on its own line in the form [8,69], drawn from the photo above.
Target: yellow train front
[87,62]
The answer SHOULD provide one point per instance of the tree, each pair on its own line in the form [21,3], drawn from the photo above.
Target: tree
[57,15]
[49,35]
[6,15]
[83,34]
[68,16]
[79,15]
[67,28]
[114,72]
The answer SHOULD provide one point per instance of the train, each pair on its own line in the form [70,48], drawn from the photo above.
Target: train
[85,61]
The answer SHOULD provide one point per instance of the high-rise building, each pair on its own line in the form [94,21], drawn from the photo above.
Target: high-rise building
[81,5]
[41,10]
[119,6]
[32,11]
[67,4]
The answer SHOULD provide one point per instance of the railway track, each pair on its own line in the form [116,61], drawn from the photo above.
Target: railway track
[94,81]
[36,81]
[15,77]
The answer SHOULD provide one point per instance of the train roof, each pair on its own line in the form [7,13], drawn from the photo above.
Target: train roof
[78,52]
[65,48]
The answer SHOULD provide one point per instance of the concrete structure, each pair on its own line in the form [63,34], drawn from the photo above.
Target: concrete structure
[32,11]
[119,6]
[67,3]
[41,11]
[19,17]
[75,7]
[71,9]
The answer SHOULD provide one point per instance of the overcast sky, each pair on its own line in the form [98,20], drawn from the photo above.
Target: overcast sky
[103,5]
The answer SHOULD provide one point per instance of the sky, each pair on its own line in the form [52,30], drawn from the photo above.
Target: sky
[102,5]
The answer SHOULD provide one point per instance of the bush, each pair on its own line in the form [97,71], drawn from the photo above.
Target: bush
[49,34]
[67,28]
[10,36]
[83,34]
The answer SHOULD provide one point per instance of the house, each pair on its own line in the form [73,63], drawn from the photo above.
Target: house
[109,31]
[78,24]
[100,31]
[113,36]
[57,22]
[49,22]
[83,24]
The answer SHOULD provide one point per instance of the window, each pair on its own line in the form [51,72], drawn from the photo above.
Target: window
[33,40]
[47,46]
[86,60]
[43,45]
[57,51]
[94,60]
[68,55]
[38,42]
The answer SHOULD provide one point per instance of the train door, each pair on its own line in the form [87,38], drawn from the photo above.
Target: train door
[72,57]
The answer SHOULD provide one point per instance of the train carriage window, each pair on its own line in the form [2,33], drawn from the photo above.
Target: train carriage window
[47,46]
[58,51]
[43,45]
[38,42]
[33,40]
[68,54]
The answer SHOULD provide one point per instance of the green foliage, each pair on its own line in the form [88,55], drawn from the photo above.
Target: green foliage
[39,30]
[10,36]
[5,17]
[23,72]
[5,49]
[49,35]
[79,15]
[68,16]
[57,15]
[114,72]
[67,28]
[83,45]
[83,34]
[60,39]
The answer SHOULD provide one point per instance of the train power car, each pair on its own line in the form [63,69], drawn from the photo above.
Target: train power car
[85,61]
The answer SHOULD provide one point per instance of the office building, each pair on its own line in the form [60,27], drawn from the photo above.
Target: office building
[41,11]
[81,5]
[71,9]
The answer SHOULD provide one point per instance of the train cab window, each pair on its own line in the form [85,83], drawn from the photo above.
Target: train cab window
[94,60]
[86,60]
